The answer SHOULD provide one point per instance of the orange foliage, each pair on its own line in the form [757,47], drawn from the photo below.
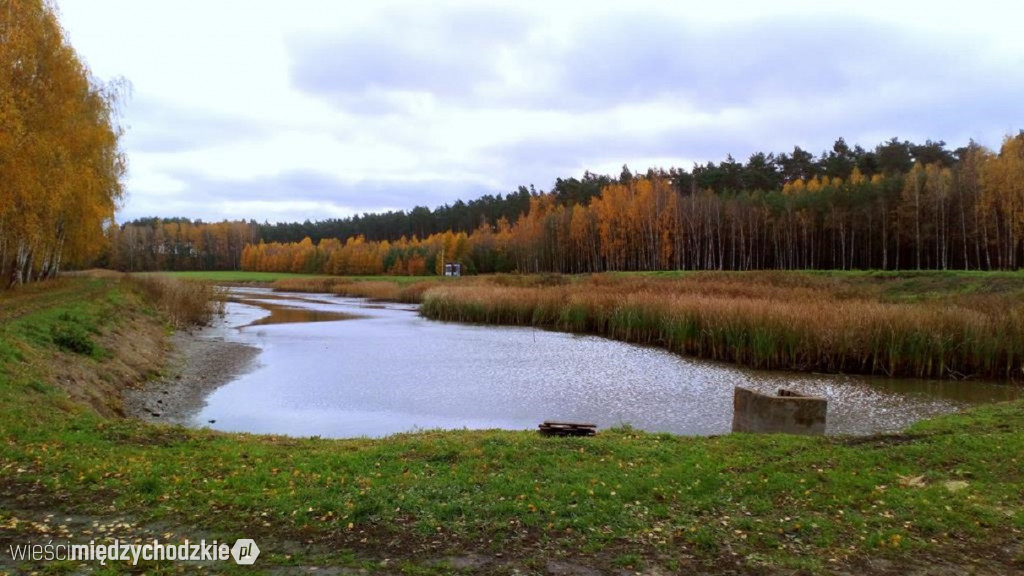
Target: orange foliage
[646,223]
[60,165]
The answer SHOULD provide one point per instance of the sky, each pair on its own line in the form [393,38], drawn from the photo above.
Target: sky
[288,111]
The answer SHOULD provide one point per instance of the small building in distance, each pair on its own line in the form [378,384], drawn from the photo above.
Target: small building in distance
[452,269]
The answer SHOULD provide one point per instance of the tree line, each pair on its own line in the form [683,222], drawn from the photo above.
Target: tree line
[901,206]
[149,244]
[762,171]
[421,221]
[898,206]
[60,163]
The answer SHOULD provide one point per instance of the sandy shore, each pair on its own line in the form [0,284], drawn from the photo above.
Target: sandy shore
[199,362]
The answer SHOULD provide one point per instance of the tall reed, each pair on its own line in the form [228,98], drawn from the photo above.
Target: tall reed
[322,284]
[184,303]
[793,323]
[385,290]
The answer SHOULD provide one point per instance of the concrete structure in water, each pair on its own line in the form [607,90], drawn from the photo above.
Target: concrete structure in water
[788,413]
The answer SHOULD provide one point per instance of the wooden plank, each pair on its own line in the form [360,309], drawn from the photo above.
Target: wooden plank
[549,428]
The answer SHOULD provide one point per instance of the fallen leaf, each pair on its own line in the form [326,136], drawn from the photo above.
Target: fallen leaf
[911,481]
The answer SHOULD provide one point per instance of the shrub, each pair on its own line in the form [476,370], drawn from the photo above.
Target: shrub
[73,337]
[183,302]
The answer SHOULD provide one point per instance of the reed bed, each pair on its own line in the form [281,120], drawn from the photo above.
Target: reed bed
[184,303]
[320,285]
[383,290]
[792,323]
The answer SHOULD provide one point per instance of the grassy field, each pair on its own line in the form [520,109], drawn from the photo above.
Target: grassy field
[230,276]
[944,496]
[243,276]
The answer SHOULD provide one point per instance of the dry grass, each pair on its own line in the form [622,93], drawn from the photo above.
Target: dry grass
[377,289]
[93,273]
[775,321]
[184,302]
[312,285]
[385,290]
[916,325]
[372,289]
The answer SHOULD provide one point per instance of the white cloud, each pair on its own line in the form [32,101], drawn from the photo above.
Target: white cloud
[321,109]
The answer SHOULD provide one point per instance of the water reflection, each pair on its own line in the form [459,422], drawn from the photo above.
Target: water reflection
[287,314]
[385,370]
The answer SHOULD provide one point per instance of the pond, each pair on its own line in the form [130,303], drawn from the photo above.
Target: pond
[345,367]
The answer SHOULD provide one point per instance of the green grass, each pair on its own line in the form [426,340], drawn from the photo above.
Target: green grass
[244,276]
[233,275]
[70,326]
[949,488]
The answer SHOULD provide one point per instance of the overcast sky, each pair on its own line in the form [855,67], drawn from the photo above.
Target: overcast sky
[297,110]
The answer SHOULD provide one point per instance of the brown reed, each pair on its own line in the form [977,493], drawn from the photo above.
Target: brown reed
[763,320]
[184,302]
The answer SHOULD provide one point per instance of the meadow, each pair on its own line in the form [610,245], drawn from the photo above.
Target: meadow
[943,494]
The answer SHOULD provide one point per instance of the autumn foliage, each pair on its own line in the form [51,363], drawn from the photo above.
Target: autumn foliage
[60,165]
[177,244]
[967,214]
[356,256]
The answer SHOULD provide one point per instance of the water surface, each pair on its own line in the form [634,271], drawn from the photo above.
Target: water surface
[344,367]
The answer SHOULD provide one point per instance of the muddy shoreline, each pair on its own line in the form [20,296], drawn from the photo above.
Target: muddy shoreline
[198,362]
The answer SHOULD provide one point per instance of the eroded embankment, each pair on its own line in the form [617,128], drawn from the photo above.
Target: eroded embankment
[82,338]
[98,340]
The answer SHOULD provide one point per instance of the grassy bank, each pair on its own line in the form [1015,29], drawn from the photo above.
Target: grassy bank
[945,494]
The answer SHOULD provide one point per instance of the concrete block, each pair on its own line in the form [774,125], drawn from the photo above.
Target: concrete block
[788,413]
